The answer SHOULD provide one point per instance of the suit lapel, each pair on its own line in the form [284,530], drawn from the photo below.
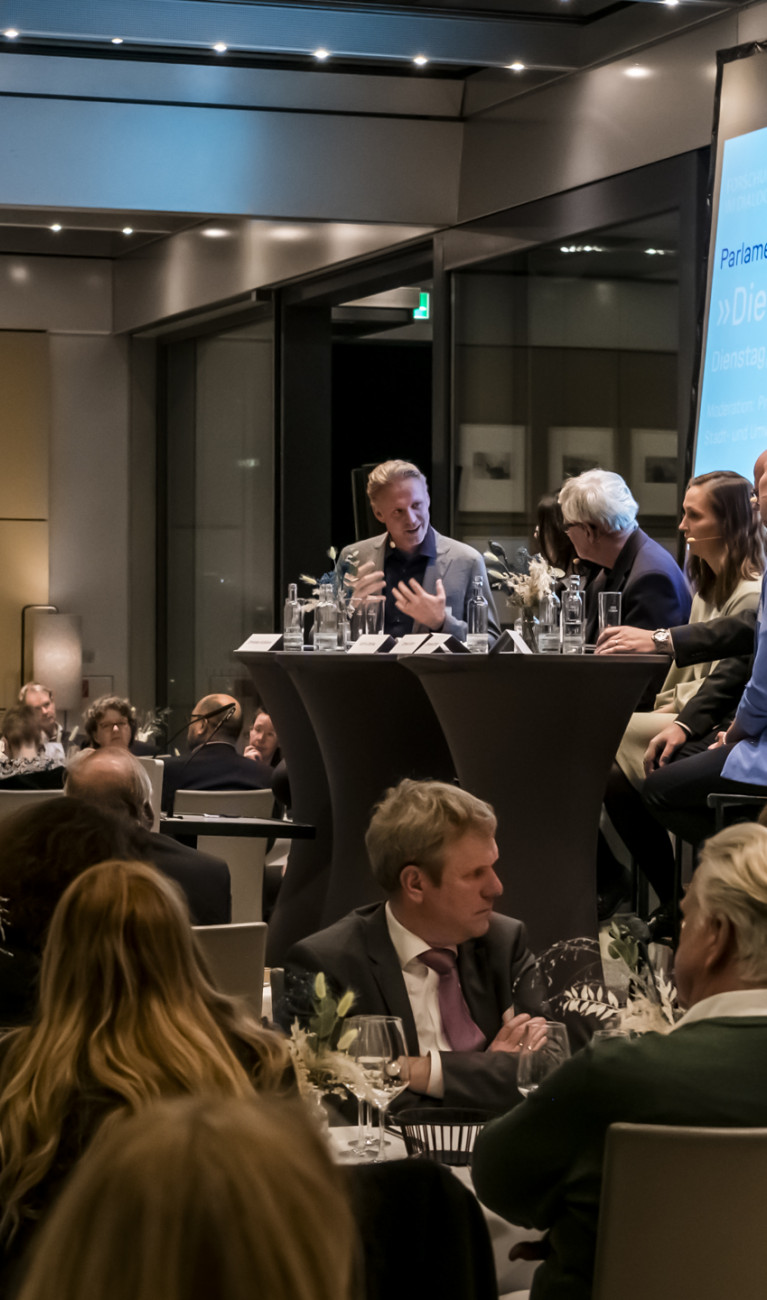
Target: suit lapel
[439,566]
[387,974]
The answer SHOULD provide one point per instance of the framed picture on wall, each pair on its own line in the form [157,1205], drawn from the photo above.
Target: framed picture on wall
[655,470]
[492,466]
[574,449]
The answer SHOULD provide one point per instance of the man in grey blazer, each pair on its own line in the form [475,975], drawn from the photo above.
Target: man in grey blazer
[427,578]
[466,1012]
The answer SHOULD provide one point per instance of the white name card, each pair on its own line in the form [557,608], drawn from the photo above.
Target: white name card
[260,641]
[520,645]
[437,641]
[369,643]
[407,645]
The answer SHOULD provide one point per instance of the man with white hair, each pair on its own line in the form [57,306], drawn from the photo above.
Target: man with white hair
[541,1165]
[600,519]
[427,579]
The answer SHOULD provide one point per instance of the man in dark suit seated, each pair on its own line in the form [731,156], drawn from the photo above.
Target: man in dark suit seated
[213,763]
[462,979]
[600,519]
[541,1165]
[114,780]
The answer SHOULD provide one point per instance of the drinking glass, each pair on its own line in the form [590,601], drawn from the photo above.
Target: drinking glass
[374,613]
[380,1049]
[609,609]
[364,1140]
[540,1056]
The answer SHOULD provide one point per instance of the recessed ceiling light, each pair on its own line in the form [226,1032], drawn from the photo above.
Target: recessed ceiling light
[56,227]
[117,40]
[11,33]
[515,67]
[215,232]
[636,71]
[671,3]
[420,59]
[288,232]
[220,48]
[127,230]
[321,54]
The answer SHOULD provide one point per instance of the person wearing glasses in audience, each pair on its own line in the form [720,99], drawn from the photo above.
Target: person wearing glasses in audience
[600,517]
[213,762]
[111,720]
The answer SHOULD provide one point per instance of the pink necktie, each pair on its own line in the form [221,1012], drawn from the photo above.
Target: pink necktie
[459,1029]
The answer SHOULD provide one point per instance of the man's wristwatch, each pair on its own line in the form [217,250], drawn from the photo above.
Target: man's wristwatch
[662,641]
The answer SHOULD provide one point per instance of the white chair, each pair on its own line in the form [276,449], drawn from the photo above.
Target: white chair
[235,955]
[682,1214]
[154,768]
[244,853]
[12,801]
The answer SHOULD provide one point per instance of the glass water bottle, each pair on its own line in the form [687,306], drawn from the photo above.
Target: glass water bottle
[326,620]
[572,617]
[477,638]
[292,623]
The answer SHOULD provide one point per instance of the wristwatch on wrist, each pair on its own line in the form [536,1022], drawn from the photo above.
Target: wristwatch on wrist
[662,641]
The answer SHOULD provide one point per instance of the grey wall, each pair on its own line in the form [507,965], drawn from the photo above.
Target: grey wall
[601,122]
[74,153]
[90,496]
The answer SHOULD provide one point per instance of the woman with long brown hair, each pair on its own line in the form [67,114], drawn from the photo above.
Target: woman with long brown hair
[725,564]
[127,1014]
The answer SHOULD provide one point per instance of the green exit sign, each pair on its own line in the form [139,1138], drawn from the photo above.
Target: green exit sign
[421,312]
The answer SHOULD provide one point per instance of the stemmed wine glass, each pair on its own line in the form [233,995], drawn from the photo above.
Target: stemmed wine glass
[379,1047]
[540,1055]
[365,1139]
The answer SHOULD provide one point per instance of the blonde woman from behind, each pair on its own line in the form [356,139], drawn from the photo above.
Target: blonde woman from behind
[126,1015]
[200,1198]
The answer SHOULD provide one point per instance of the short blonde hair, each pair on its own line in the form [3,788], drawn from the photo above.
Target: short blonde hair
[201,1197]
[600,498]
[414,822]
[731,881]
[388,472]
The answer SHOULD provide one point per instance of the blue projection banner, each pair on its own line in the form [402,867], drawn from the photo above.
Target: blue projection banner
[732,420]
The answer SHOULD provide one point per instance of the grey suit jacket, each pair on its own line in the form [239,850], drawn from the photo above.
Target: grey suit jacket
[455,563]
[496,972]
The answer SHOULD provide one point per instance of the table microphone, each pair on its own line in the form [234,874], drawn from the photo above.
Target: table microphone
[226,710]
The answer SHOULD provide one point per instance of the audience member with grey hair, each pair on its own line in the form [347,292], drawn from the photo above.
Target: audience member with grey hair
[708,1071]
[600,517]
[427,579]
[114,780]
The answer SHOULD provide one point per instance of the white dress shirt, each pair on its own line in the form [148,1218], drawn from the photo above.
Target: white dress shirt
[740,1002]
[422,984]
